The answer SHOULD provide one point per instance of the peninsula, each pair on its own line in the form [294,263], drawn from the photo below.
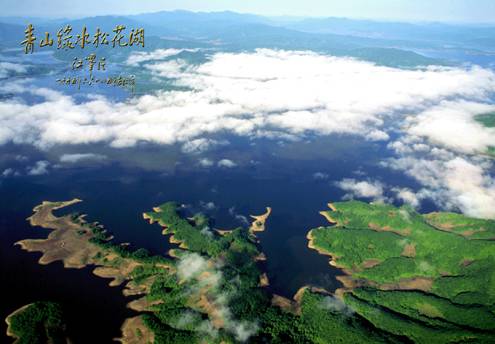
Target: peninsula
[430,278]
[209,289]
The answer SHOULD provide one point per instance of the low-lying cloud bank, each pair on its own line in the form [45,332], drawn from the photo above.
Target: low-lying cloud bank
[453,183]
[286,95]
[258,94]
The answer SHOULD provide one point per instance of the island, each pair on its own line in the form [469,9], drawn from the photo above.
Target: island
[209,289]
[426,278]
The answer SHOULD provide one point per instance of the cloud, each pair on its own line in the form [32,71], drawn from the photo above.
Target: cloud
[454,183]
[320,176]
[451,124]
[137,58]
[226,163]
[168,69]
[405,214]
[8,172]
[205,162]
[201,145]
[407,196]
[21,158]
[195,269]
[472,190]
[8,68]
[243,330]
[208,205]
[285,95]
[39,168]
[362,189]
[191,266]
[335,305]
[280,94]
[74,158]
[377,135]
[207,231]
[241,218]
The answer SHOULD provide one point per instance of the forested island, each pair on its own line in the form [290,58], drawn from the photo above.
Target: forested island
[407,278]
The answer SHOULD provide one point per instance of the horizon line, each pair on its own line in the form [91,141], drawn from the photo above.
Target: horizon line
[280,16]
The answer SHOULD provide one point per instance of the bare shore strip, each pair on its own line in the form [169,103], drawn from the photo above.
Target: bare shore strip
[347,280]
[327,216]
[201,300]
[294,306]
[134,331]
[69,242]
[258,225]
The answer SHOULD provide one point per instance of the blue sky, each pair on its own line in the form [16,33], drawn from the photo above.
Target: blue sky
[474,11]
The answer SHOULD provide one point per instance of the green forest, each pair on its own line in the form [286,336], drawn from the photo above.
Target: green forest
[428,277]
[406,277]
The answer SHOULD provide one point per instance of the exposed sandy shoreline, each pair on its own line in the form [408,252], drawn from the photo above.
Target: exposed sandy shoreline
[131,327]
[259,221]
[69,242]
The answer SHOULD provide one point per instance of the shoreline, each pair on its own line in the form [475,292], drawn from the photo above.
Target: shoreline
[346,278]
[259,221]
[8,321]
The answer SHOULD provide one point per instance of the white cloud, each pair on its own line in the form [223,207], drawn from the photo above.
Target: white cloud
[286,95]
[239,217]
[205,162]
[21,158]
[168,69]
[281,93]
[208,205]
[226,163]
[39,168]
[334,304]
[9,68]
[243,330]
[192,265]
[320,176]
[472,190]
[9,172]
[362,189]
[454,183]
[407,196]
[377,135]
[74,158]
[194,268]
[451,124]
[201,145]
[206,231]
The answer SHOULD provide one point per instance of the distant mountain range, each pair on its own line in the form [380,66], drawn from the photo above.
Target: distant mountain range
[339,36]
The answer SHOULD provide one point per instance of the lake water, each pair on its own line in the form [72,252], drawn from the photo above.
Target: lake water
[117,192]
